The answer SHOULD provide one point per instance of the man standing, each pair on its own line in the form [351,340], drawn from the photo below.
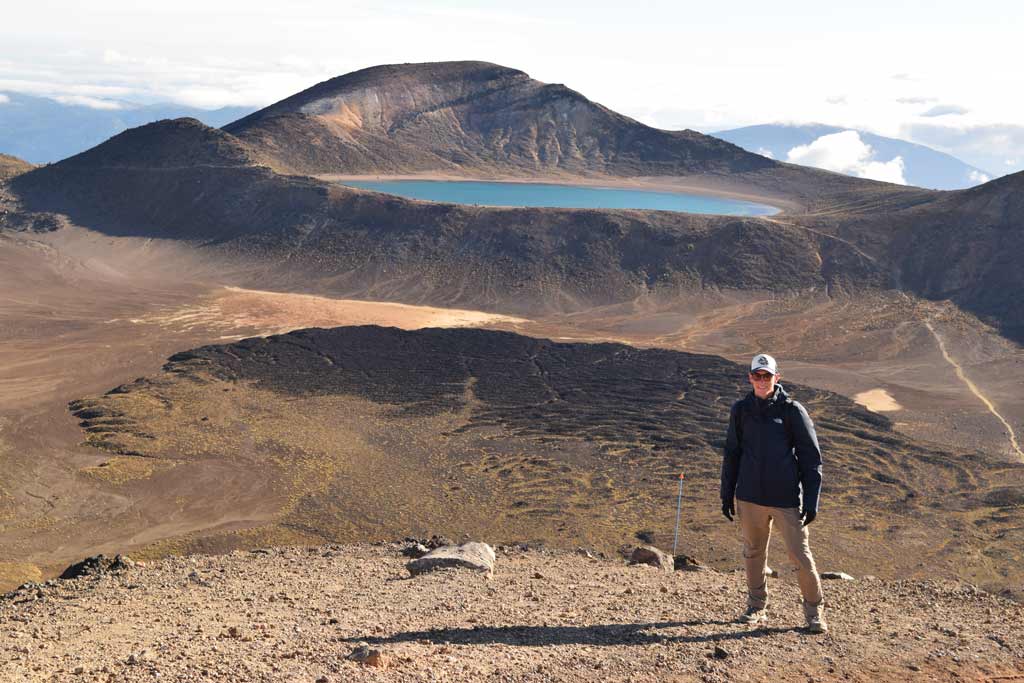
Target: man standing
[771,457]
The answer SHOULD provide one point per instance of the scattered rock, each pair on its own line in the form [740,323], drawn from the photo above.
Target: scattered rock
[472,555]
[648,554]
[436,541]
[415,550]
[97,565]
[685,563]
[773,573]
[721,652]
[837,576]
[367,657]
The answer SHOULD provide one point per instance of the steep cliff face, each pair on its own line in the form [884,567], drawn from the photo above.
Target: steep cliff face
[457,116]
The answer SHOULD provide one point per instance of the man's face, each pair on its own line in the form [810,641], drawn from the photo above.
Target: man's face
[763,383]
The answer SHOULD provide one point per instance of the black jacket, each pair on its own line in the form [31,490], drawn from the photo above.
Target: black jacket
[771,453]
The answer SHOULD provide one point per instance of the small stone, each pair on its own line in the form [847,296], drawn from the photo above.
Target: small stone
[78,670]
[773,573]
[648,554]
[836,576]
[721,652]
[686,563]
[538,575]
[367,657]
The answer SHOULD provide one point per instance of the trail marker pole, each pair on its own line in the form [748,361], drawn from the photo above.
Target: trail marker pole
[679,512]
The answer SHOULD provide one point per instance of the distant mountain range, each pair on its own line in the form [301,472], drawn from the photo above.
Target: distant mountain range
[834,148]
[41,130]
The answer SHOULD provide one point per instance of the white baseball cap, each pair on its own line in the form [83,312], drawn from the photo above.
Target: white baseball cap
[763,361]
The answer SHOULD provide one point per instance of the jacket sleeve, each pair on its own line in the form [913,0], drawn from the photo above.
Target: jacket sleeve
[731,459]
[808,456]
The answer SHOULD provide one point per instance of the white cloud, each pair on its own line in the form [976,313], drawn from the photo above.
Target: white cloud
[845,152]
[1010,162]
[4,99]
[86,101]
[945,110]
[765,152]
[978,177]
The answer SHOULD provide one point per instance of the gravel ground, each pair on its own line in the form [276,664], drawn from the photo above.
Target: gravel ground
[296,614]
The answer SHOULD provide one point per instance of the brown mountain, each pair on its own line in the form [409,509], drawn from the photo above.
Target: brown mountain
[183,180]
[958,245]
[306,231]
[471,117]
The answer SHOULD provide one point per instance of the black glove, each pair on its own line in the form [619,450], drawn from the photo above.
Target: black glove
[807,516]
[728,509]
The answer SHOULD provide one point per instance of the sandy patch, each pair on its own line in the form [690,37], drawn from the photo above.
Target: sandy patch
[877,400]
[248,311]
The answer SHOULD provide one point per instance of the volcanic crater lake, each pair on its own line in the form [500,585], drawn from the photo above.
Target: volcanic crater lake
[561,196]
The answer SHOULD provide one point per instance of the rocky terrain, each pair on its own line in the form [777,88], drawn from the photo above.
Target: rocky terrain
[353,613]
[371,433]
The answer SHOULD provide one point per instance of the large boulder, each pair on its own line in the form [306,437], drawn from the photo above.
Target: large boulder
[648,554]
[96,566]
[472,555]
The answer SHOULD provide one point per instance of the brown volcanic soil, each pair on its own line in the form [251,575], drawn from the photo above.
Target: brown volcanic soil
[93,312]
[370,432]
[295,614]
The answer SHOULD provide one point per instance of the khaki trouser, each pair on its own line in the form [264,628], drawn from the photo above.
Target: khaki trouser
[756,529]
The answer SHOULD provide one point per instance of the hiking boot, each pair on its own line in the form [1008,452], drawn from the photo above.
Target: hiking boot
[817,624]
[754,615]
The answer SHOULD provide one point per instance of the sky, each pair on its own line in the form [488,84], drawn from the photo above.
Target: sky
[940,73]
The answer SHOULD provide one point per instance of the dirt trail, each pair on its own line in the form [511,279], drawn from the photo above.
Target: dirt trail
[1014,443]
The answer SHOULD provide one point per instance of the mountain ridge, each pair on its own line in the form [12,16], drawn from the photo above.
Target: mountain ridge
[186,181]
[470,115]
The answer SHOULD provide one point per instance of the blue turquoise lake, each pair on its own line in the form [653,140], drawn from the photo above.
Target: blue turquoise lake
[561,196]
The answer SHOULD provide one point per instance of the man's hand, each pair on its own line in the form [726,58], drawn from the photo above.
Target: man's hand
[807,516]
[728,509]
